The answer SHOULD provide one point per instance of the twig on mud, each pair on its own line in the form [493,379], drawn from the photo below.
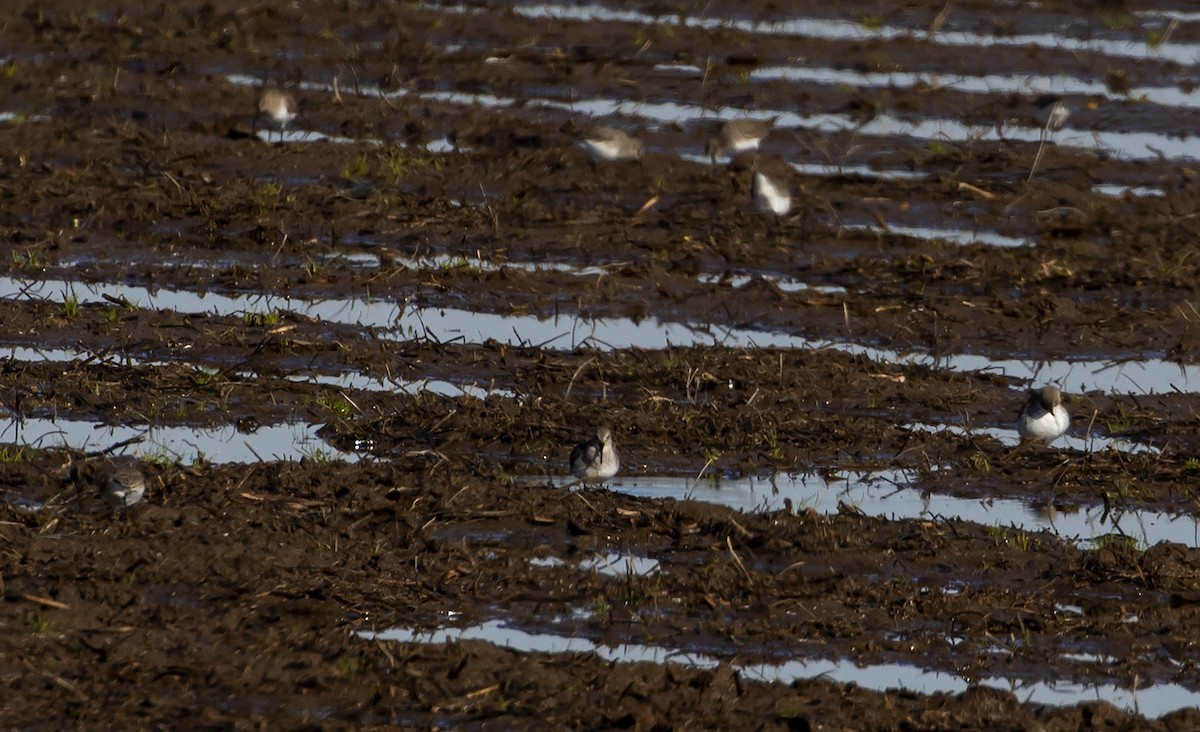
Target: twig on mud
[576,376]
[441,422]
[456,495]
[357,86]
[987,195]
[482,692]
[1167,33]
[62,682]
[1088,432]
[939,20]
[383,647]
[707,465]
[491,211]
[45,601]
[793,565]
[342,394]
[441,457]
[744,531]
[752,398]
[242,482]
[646,206]
[171,178]
[586,502]
[738,561]
[1037,159]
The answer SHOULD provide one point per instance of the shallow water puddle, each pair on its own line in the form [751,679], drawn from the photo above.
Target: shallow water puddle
[1009,438]
[347,380]
[447,325]
[1030,84]
[891,495]
[610,563]
[1117,191]
[440,263]
[1128,145]
[615,564]
[292,137]
[1125,145]
[833,170]
[954,236]
[185,445]
[1152,701]
[841,30]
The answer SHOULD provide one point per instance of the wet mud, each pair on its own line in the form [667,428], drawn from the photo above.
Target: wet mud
[429,279]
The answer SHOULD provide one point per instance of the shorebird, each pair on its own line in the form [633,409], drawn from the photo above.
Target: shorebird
[595,460]
[1052,112]
[738,136]
[1044,418]
[278,107]
[123,485]
[610,145]
[771,194]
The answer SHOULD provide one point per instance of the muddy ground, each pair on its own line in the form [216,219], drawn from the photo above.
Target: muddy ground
[244,595]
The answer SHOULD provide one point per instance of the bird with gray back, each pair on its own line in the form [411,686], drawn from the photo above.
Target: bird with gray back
[610,145]
[278,107]
[738,136]
[1051,112]
[123,485]
[595,460]
[1044,418]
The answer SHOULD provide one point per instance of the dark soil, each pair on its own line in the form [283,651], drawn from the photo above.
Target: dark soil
[238,595]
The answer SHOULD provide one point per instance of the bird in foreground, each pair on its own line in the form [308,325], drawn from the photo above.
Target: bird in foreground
[1044,418]
[595,460]
[610,145]
[771,194]
[123,485]
[738,136]
[278,107]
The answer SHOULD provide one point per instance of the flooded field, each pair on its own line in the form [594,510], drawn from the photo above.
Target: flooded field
[351,355]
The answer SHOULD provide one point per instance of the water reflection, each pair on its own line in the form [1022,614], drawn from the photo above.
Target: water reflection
[892,495]
[397,321]
[1151,701]
[185,445]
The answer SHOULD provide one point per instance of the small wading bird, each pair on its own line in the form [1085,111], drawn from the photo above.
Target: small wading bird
[738,136]
[278,107]
[123,485]
[1044,418]
[595,460]
[610,145]
[1051,112]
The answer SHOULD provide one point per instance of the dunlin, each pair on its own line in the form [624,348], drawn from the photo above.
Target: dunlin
[1044,417]
[595,460]
[771,194]
[278,107]
[1051,112]
[123,485]
[738,136]
[610,145]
